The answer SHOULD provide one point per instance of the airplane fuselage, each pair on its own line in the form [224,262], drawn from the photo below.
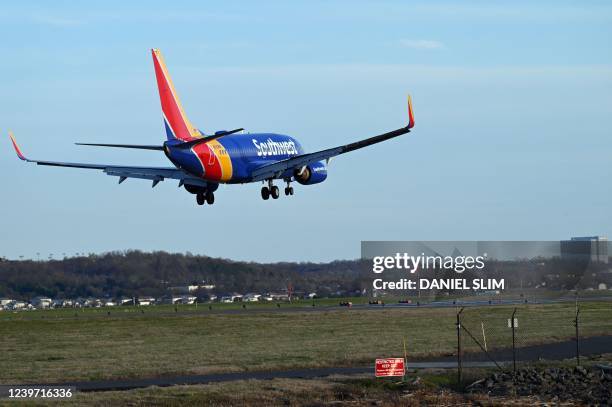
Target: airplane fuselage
[231,159]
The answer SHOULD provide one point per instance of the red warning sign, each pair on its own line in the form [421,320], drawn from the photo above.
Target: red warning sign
[390,367]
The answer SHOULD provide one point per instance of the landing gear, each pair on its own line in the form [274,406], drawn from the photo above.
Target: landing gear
[288,188]
[205,197]
[270,191]
[273,191]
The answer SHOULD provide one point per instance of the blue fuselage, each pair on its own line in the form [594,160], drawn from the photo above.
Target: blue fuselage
[232,158]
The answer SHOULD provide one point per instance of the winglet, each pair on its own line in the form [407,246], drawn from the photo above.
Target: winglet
[17,149]
[410,114]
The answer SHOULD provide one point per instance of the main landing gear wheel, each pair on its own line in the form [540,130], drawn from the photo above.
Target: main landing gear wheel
[289,191]
[210,198]
[274,192]
[265,193]
[200,198]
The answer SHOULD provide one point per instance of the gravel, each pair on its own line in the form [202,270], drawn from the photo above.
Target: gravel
[589,385]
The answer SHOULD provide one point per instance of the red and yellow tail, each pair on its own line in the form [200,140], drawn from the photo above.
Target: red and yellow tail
[177,124]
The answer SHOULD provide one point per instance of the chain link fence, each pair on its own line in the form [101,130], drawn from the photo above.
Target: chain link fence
[508,338]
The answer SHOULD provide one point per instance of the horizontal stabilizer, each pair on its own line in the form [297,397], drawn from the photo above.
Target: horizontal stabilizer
[137,146]
[205,139]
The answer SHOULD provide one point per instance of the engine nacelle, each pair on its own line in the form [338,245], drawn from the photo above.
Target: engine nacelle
[311,174]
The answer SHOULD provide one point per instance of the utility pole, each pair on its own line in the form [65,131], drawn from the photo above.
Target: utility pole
[577,335]
[513,342]
[459,367]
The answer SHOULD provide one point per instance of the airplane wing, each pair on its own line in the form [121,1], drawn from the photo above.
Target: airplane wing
[275,170]
[155,174]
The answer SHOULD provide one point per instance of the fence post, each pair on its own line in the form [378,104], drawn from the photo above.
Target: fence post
[458,323]
[576,323]
[513,342]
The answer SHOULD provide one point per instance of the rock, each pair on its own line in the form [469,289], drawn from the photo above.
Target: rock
[581,370]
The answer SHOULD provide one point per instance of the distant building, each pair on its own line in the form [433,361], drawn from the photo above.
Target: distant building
[188,299]
[589,248]
[251,297]
[172,299]
[235,297]
[5,301]
[125,301]
[184,289]
[207,298]
[279,296]
[61,303]
[41,302]
[146,301]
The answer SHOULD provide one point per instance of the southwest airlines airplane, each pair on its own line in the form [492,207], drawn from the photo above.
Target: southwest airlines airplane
[202,161]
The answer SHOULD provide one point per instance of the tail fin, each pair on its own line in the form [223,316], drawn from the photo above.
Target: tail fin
[177,124]
[410,113]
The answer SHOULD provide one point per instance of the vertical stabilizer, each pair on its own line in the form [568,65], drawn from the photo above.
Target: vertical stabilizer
[177,124]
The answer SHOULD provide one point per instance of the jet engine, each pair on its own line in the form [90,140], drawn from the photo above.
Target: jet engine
[311,174]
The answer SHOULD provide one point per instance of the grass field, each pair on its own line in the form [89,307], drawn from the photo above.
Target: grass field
[56,345]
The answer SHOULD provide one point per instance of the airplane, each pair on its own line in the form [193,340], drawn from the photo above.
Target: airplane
[203,161]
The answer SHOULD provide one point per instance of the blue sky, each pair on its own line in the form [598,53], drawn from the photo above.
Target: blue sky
[512,141]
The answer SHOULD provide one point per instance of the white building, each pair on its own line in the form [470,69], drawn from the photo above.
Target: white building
[146,301]
[5,301]
[279,296]
[172,299]
[251,297]
[184,288]
[125,301]
[41,302]
[188,299]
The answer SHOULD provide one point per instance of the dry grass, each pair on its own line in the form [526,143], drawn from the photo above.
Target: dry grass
[296,392]
[80,348]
